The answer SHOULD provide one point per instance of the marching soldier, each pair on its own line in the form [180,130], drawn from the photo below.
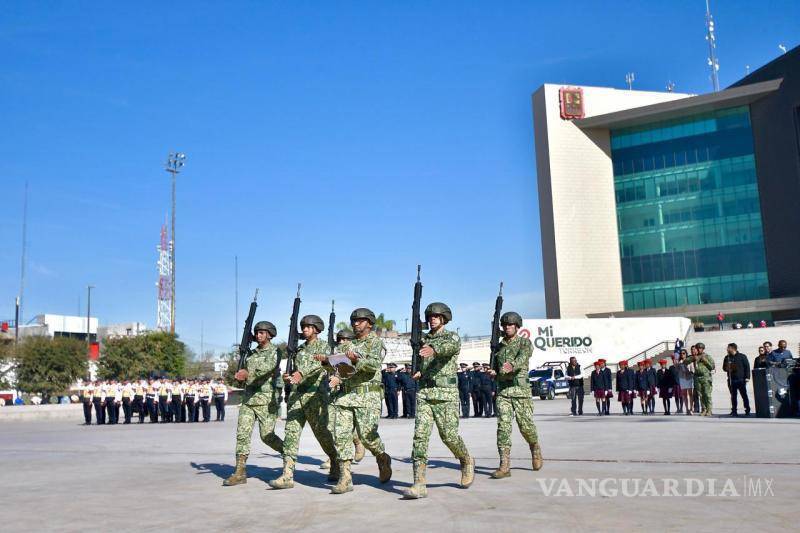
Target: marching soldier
[127,397]
[704,365]
[260,400]
[514,394]
[87,395]
[437,400]
[357,403]
[99,401]
[220,397]
[343,339]
[307,402]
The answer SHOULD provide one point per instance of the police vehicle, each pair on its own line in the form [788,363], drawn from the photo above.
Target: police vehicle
[549,379]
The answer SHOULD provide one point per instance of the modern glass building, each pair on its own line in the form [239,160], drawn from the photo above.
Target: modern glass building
[688,211]
[663,204]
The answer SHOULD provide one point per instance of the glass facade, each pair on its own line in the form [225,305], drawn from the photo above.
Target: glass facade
[688,211]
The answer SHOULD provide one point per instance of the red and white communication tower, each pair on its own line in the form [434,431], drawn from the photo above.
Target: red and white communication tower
[164,318]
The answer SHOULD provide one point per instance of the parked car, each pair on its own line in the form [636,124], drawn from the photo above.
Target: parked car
[549,380]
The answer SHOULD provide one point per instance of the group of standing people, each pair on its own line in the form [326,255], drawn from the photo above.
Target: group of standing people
[343,409]
[159,400]
[397,382]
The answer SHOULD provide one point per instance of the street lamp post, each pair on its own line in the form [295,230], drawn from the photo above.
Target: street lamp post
[175,162]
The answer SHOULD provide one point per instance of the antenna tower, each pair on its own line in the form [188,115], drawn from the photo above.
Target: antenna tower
[713,62]
[164,302]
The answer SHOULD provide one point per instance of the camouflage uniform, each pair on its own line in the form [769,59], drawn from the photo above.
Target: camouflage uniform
[514,393]
[437,398]
[343,347]
[702,380]
[260,401]
[308,402]
[356,404]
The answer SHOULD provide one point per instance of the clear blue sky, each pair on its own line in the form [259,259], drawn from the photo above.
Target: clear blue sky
[334,143]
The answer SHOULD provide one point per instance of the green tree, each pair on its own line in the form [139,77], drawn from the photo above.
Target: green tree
[50,365]
[383,324]
[153,353]
[342,325]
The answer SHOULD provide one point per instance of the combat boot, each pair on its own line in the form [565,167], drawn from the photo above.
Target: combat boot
[345,483]
[333,475]
[505,465]
[536,456]
[326,465]
[467,471]
[286,480]
[384,467]
[239,475]
[360,450]
[418,489]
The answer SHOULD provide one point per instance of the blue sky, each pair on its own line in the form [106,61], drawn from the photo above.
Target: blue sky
[334,143]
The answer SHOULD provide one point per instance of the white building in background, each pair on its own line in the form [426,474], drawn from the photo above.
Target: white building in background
[125,329]
[577,205]
[59,326]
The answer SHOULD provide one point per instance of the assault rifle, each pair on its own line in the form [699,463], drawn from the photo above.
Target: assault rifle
[494,343]
[416,326]
[294,334]
[247,335]
[331,322]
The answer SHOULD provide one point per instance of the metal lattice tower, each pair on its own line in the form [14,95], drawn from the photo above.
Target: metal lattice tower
[164,317]
[711,37]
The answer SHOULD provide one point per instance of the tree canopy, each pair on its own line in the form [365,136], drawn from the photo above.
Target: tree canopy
[151,354]
[50,365]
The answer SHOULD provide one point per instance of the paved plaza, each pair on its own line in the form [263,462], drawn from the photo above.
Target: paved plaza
[60,475]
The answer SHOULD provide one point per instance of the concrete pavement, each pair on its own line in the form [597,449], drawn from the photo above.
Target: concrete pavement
[60,475]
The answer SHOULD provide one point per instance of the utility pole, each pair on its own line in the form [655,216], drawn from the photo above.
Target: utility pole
[16,325]
[21,297]
[202,345]
[175,162]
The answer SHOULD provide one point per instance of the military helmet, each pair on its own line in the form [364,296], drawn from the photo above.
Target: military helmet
[345,334]
[511,318]
[312,320]
[362,312]
[438,308]
[267,326]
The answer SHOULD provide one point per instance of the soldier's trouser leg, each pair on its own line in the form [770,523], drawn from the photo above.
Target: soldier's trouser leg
[505,417]
[705,396]
[341,423]
[244,429]
[87,412]
[445,415]
[267,416]
[523,410]
[423,425]
[295,421]
[365,420]
[317,415]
